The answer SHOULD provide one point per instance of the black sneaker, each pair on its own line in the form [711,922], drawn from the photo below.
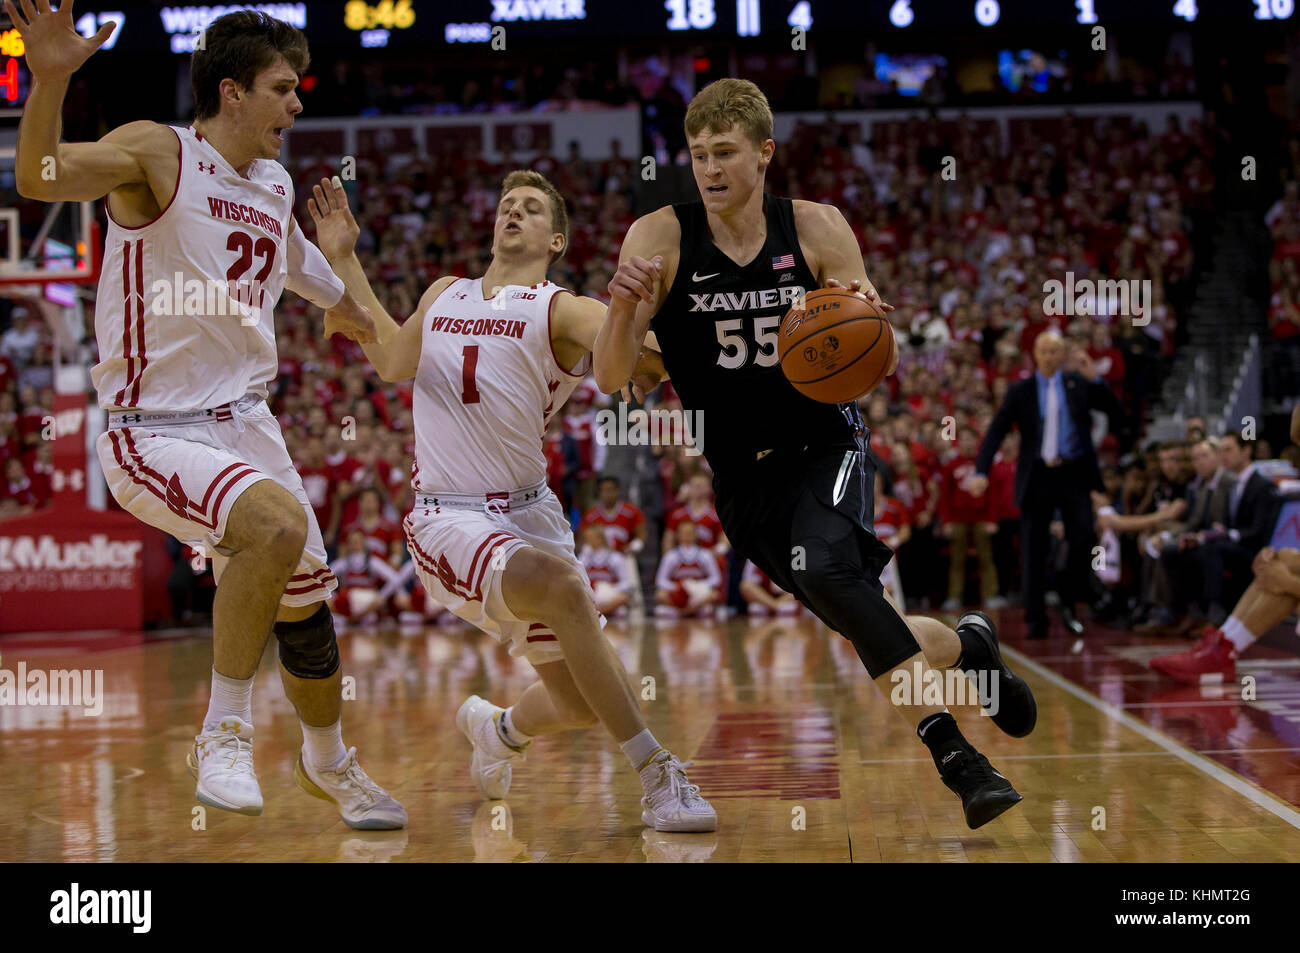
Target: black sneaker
[1017,711]
[984,793]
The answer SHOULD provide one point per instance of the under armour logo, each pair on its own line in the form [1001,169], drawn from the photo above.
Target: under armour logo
[131,418]
[209,167]
[460,295]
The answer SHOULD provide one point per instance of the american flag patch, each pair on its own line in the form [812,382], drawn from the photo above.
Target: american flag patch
[782,261]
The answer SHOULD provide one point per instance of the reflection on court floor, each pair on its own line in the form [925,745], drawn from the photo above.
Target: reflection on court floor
[799,752]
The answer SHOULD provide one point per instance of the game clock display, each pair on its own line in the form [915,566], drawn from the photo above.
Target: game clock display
[366,24]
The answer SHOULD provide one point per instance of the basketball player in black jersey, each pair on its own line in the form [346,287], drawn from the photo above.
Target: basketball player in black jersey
[794,477]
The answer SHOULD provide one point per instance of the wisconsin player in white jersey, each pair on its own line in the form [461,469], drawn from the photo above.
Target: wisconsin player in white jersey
[494,358]
[688,581]
[200,243]
[611,581]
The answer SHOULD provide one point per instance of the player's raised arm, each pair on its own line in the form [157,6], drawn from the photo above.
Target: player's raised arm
[832,252]
[579,319]
[395,352]
[636,291]
[308,274]
[46,169]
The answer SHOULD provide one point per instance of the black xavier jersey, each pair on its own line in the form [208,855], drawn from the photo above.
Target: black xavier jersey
[718,331]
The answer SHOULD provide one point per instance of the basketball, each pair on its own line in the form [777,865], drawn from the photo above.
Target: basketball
[838,347]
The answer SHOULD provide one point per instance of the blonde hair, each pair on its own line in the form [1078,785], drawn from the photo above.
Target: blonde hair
[728,103]
[526,178]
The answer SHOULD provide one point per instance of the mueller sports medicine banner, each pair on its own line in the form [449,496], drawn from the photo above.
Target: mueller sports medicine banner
[72,569]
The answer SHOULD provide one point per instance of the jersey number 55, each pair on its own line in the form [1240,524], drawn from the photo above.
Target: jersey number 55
[735,347]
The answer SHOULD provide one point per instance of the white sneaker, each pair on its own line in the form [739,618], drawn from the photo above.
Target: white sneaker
[491,767]
[222,762]
[671,802]
[363,804]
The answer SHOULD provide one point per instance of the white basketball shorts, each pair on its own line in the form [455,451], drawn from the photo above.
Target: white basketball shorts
[184,479]
[460,555]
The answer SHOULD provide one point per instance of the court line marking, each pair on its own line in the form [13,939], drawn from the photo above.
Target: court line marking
[1094,754]
[1250,792]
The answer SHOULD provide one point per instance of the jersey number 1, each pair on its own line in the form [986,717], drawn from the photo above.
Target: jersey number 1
[469,364]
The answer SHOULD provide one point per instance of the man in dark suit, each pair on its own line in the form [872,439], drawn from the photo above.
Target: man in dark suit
[1056,470]
[1176,580]
[1275,586]
[1231,547]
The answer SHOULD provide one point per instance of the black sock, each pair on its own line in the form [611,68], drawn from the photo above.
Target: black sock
[975,652]
[939,731]
[942,736]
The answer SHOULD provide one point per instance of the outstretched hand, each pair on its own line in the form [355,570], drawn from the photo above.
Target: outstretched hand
[336,230]
[856,287]
[637,279]
[646,375]
[352,320]
[54,50]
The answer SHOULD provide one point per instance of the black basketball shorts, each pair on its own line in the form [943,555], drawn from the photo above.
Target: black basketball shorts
[826,492]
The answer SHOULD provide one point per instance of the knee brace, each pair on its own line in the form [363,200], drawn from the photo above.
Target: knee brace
[308,648]
[838,588]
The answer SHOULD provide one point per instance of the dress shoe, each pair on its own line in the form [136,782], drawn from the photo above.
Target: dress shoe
[1154,629]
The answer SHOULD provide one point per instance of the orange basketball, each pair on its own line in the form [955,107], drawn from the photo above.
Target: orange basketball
[838,347]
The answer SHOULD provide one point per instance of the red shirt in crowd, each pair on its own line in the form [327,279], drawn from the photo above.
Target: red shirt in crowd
[380,535]
[619,525]
[321,486]
[21,491]
[1002,488]
[891,516]
[956,503]
[708,528]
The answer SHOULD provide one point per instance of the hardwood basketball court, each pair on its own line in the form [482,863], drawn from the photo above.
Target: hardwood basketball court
[796,748]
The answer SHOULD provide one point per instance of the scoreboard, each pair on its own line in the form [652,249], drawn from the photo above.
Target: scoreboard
[434,23]
[522,25]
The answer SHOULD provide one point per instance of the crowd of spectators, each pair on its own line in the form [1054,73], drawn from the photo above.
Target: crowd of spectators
[26,403]
[1283,221]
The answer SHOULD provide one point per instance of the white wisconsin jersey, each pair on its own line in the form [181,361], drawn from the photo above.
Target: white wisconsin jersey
[687,562]
[488,382]
[184,314]
[605,565]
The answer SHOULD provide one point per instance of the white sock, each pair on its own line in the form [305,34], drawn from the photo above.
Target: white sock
[640,748]
[230,696]
[1235,631]
[509,734]
[322,748]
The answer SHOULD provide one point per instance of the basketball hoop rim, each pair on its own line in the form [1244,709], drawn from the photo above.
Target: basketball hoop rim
[66,277]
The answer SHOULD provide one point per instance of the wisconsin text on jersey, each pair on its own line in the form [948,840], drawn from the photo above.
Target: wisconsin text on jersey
[514,329]
[221,208]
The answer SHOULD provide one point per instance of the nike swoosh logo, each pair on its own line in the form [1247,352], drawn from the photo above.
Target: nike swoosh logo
[696,276]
